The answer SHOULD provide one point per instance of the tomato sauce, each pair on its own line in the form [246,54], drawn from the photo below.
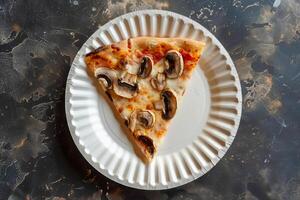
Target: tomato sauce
[156,53]
[129,107]
[186,55]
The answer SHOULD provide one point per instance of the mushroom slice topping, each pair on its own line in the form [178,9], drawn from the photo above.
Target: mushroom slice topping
[145,67]
[106,77]
[159,82]
[126,86]
[174,64]
[144,118]
[132,121]
[148,143]
[169,101]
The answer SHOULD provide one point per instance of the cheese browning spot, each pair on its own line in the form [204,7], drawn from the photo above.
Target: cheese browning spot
[160,133]
[129,107]
[149,107]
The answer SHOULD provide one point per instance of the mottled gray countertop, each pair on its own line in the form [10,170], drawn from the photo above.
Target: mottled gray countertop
[38,41]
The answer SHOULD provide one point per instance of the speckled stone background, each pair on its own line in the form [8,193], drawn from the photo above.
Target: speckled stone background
[38,41]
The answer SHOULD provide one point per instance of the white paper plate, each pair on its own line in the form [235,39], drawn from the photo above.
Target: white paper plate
[200,134]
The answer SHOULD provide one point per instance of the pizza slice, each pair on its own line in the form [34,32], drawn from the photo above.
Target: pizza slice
[143,79]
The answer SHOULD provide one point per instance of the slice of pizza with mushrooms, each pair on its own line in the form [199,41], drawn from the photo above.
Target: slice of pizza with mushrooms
[143,79]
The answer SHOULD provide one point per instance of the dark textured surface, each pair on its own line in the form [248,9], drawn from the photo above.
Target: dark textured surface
[38,41]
